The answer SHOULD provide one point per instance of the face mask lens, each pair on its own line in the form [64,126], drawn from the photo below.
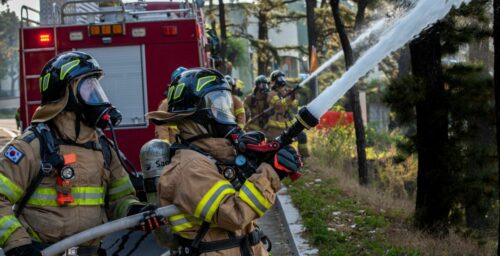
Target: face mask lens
[91,92]
[220,104]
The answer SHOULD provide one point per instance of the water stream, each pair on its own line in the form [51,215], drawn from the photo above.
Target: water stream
[375,28]
[405,28]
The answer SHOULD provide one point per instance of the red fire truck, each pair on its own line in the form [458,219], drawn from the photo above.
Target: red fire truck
[138,45]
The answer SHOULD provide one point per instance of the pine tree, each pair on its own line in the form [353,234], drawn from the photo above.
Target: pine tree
[428,105]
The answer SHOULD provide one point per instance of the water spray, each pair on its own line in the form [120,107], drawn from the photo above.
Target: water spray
[376,28]
[425,13]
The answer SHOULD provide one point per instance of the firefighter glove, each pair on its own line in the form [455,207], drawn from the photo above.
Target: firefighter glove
[150,220]
[287,162]
[24,250]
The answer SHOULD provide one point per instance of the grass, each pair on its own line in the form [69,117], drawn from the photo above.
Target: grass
[343,218]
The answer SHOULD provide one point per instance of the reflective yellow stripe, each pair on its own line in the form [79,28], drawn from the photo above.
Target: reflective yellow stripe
[182,222]
[81,195]
[211,200]
[239,111]
[280,124]
[254,198]
[120,188]
[202,81]
[8,224]
[10,189]
[34,236]
[274,99]
[67,67]
[166,140]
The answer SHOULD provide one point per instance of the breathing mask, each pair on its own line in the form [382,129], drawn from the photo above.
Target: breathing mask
[97,111]
[215,113]
[262,88]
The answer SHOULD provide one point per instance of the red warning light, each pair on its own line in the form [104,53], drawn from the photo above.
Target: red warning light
[44,38]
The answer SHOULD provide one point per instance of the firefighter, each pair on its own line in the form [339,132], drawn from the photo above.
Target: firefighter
[218,218]
[62,174]
[282,116]
[238,109]
[163,132]
[256,103]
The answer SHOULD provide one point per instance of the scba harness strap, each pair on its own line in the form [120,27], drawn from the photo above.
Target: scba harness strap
[51,159]
[195,246]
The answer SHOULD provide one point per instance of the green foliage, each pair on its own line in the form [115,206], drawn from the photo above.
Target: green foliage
[335,146]
[237,51]
[9,41]
[339,225]
[472,152]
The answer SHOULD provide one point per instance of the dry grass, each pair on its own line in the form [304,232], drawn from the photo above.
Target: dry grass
[399,212]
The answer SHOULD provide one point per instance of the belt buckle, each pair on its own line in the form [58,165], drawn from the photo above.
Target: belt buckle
[254,237]
[73,251]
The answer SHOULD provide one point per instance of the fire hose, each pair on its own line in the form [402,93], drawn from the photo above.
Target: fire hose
[104,229]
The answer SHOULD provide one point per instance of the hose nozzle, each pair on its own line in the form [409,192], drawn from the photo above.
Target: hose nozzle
[303,120]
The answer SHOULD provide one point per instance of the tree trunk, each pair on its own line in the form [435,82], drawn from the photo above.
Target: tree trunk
[360,14]
[496,37]
[223,35]
[311,36]
[433,181]
[262,59]
[404,62]
[353,96]
[211,5]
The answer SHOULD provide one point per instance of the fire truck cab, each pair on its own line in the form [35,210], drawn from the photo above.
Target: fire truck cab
[138,45]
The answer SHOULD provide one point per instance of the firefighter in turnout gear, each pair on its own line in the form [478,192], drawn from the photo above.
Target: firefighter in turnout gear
[282,117]
[218,217]
[256,103]
[62,174]
[164,132]
[238,109]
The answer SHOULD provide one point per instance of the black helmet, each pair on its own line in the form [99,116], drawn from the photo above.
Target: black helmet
[277,79]
[187,91]
[61,70]
[261,79]
[202,95]
[261,84]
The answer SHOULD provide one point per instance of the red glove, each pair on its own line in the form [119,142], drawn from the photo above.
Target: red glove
[287,162]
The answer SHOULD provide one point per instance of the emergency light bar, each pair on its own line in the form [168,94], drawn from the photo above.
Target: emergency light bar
[169,30]
[45,38]
[107,30]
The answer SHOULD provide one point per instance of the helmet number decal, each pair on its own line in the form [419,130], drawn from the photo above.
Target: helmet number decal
[203,81]
[67,67]
[178,90]
[44,82]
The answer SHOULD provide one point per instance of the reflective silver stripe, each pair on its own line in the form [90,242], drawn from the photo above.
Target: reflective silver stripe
[74,195]
[214,197]
[11,195]
[253,199]
[121,188]
[185,220]
[5,227]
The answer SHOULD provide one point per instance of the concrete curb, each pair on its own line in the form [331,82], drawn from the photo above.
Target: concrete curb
[298,244]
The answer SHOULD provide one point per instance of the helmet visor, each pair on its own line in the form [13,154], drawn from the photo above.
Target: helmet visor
[220,103]
[91,92]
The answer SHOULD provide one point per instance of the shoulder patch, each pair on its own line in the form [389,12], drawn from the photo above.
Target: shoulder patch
[13,154]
